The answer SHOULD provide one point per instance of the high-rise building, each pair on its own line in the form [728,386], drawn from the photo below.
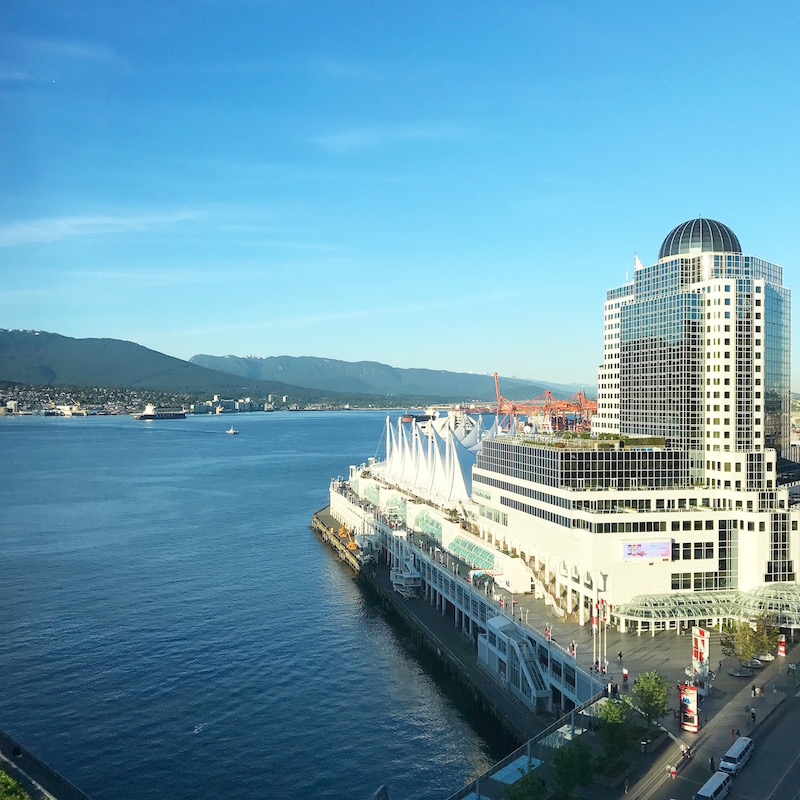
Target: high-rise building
[697,350]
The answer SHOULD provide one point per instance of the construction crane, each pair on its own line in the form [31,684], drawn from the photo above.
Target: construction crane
[546,405]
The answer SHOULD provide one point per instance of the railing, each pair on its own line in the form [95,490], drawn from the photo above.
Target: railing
[22,757]
[547,738]
[532,666]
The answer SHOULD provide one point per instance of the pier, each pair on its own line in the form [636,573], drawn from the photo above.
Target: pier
[435,634]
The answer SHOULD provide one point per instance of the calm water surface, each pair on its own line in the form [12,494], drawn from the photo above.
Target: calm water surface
[170,628]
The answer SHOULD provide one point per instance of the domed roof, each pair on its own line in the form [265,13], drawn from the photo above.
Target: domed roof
[699,236]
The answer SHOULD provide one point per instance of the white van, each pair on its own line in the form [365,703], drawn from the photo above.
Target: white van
[715,788]
[737,756]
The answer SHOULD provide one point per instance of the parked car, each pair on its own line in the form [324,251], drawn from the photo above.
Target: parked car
[766,657]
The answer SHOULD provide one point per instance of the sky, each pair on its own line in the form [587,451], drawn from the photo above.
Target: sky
[450,185]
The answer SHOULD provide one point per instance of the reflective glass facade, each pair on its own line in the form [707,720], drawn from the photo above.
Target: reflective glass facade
[702,353]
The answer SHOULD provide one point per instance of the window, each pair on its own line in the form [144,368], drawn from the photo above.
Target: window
[681,580]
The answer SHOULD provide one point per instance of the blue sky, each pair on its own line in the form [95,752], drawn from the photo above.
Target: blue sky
[449,185]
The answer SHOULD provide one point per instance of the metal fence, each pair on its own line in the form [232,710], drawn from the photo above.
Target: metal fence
[551,738]
[44,774]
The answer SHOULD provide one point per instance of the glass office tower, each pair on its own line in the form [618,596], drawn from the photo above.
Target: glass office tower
[698,352]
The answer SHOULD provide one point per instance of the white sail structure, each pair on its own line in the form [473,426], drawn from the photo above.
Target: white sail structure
[434,460]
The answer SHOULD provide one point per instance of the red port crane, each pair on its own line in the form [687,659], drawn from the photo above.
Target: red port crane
[578,406]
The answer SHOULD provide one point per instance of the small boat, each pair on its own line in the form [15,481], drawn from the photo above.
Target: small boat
[232,431]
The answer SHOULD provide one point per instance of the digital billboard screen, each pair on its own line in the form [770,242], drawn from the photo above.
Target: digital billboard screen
[650,551]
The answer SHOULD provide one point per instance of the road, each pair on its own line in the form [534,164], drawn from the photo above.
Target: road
[773,772]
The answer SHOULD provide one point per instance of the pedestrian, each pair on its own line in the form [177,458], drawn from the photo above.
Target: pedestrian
[733,735]
[753,716]
[711,763]
[754,690]
[619,656]
[746,712]
[737,733]
[673,771]
[626,786]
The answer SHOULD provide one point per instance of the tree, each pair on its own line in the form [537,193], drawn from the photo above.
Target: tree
[766,633]
[739,641]
[614,731]
[650,695]
[572,766]
[529,787]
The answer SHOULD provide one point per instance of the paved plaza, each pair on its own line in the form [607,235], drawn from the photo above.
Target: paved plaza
[722,712]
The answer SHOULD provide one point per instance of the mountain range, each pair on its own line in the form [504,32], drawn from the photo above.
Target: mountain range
[372,377]
[49,359]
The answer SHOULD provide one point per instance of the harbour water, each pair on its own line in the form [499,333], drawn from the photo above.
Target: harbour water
[169,627]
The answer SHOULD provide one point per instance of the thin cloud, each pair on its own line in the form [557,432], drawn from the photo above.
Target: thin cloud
[27,59]
[13,75]
[54,229]
[63,49]
[273,322]
[114,281]
[354,139]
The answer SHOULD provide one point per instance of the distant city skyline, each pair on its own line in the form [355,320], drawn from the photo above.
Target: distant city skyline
[448,187]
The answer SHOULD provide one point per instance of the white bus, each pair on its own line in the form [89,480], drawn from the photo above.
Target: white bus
[715,788]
